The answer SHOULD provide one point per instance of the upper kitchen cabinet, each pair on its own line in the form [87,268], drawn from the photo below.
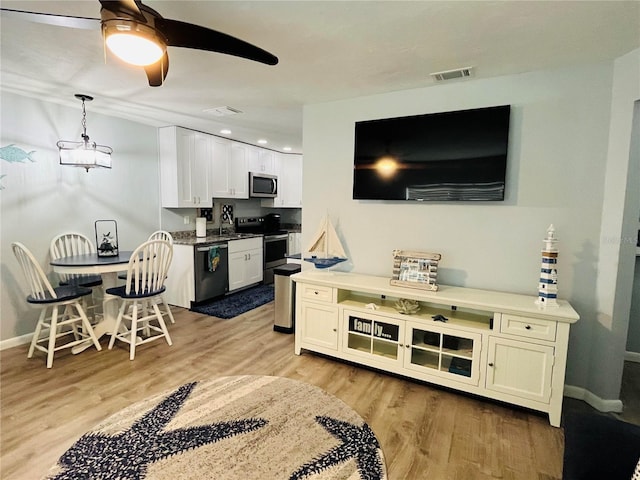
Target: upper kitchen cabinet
[262,160]
[230,169]
[185,167]
[289,174]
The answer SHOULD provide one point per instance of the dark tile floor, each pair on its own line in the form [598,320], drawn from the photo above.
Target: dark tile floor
[629,394]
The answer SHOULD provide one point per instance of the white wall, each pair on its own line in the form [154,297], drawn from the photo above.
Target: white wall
[557,162]
[633,335]
[41,199]
[618,231]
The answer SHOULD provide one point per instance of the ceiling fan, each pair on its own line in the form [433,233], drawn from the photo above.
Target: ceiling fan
[131,28]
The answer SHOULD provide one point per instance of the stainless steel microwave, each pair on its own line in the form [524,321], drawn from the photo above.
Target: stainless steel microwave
[263,186]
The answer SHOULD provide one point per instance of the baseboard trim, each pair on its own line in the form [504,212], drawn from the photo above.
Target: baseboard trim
[596,402]
[15,341]
[632,357]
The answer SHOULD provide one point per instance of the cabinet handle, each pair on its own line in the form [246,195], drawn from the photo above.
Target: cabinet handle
[335,329]
[491,364]
[408,346]
[315,293]
[527,327]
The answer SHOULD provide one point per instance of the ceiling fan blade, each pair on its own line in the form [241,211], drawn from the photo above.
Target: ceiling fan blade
[129,8]
[85,23]
[188,35]
[157,72]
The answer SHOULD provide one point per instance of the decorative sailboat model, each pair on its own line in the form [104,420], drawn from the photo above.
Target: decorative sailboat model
[326,249]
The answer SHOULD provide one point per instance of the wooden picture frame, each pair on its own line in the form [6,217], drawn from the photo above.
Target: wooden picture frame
[415,269]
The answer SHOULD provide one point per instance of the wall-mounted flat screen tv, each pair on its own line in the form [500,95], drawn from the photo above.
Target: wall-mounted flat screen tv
[449,156]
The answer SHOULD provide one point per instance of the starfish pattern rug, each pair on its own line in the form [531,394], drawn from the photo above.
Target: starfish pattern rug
[231,428]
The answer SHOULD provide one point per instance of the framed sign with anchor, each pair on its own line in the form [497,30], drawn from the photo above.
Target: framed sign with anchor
[107,238]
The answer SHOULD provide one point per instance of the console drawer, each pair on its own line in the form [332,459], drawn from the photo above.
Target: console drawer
[528,327]
[318,293]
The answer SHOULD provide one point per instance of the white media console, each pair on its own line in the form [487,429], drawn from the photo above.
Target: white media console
[497,345]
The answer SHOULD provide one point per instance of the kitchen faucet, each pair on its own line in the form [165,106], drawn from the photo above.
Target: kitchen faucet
[221,222]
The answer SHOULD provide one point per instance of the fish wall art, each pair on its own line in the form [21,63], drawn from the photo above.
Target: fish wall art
[13,154]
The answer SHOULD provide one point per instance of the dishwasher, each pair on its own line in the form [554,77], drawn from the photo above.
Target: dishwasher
[211,271]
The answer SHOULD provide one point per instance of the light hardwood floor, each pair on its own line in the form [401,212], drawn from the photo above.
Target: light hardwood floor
[425,432]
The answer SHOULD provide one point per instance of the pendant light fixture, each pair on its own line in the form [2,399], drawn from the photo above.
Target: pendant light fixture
[85,154]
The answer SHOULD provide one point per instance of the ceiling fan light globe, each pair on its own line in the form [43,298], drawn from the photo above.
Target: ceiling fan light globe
[134,49]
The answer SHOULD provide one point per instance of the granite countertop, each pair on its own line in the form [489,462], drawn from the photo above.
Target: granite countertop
[189,237]
[292,227]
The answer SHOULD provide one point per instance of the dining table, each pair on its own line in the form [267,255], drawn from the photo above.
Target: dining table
[105,266]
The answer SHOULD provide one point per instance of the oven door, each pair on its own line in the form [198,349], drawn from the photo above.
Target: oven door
[275,251]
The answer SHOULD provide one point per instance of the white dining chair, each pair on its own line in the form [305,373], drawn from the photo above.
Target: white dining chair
[157,235]
[70,244]
[66,315]
[140,319]
[161,235]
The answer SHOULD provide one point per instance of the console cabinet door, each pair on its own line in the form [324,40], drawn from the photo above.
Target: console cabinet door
[443,352]
[372,337]
[522,369]
[318,324]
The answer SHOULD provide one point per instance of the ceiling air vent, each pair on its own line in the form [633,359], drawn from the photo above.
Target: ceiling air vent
[222,111]
[452,74]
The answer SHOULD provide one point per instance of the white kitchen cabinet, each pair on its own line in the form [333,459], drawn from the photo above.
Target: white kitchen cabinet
[294,243]
[493,344]
[230,174]
[291,181]
[185,167]
[261,160]
[246,265]
[289,172]
[180,282]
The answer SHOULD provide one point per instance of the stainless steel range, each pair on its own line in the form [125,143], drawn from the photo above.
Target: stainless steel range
[275,240]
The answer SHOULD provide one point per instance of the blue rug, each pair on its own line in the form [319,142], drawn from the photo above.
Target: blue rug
[237,303]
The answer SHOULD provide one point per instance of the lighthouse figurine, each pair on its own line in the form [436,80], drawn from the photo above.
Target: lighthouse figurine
[548,286]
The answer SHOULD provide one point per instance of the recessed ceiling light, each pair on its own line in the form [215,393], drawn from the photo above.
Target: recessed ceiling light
[225,131]
[262,141]
[286,149]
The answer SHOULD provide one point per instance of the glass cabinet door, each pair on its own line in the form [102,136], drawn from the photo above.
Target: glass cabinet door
[372,336]
[443,352]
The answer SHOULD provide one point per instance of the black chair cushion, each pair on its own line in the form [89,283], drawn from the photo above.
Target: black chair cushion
[84,281]
[598,446]
[64,293]
[121,292]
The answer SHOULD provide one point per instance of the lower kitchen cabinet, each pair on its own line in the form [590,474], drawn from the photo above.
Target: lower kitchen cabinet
[246,262]
[180,282]
[493,344]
